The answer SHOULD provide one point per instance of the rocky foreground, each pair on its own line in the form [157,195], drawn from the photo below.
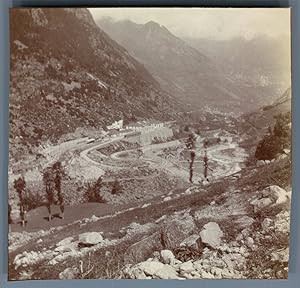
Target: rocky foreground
[218,241]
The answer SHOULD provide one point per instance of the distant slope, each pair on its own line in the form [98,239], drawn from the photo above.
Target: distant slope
[180,69]
[262,64]
[256,124]
[67,73]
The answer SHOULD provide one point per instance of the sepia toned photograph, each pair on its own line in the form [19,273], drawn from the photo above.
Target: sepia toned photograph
[149,143]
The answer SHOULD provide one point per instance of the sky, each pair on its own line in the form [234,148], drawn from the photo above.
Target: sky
[212,23]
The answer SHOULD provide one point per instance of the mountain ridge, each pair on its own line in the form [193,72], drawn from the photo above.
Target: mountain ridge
[180,69]
[84,77]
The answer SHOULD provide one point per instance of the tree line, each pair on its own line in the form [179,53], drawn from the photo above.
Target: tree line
[53,177]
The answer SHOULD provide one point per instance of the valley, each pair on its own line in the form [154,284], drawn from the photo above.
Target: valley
[138,154]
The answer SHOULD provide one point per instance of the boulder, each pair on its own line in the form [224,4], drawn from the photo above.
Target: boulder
[167,256]
[211,234]
[151,267]
[259,204]
[175,229]
[90,238]
[167,272]
[187,267]
[65,241]
[249,242]
[94,218]
[207,275]
[143,249]
[280,255]
[171,232]
[276,193]
[135,273]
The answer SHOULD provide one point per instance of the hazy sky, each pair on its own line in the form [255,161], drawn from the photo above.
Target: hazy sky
[217,23]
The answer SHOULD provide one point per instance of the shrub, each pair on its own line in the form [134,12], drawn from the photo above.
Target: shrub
[32,200]
[116,187]
[92,193]
[268,148]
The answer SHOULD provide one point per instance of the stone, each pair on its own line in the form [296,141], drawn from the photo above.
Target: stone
[90,238]
[167,256]
[65,241]
[187,275]
[144,248]
[260,163]
[39,241]
[135,273]
[94,218]
[176,228]
[187,267]
[150,267]
[168,198]
[228,261]
[211,234]
[195,274]
[227,273]
[167,272]
[276,193]
[249,242]
[207,275]
[259,204]
[280,255]
[267,223]
[189,191]
[217,272]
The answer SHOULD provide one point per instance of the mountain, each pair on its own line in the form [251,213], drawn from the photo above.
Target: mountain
[261,63]
[180,69]
[253,126]
[67,73]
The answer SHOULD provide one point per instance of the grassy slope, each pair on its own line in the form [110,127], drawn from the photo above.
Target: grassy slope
[252,179]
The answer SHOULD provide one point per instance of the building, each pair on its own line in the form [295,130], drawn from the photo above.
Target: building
[135,126]
[116,125]
[113,133]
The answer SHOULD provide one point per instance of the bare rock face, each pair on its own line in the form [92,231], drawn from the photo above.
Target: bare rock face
[211,234]
[143,249]
[90,238]
[169,235]
[177,228]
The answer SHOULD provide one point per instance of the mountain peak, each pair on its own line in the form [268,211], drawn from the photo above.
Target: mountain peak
[151,25]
